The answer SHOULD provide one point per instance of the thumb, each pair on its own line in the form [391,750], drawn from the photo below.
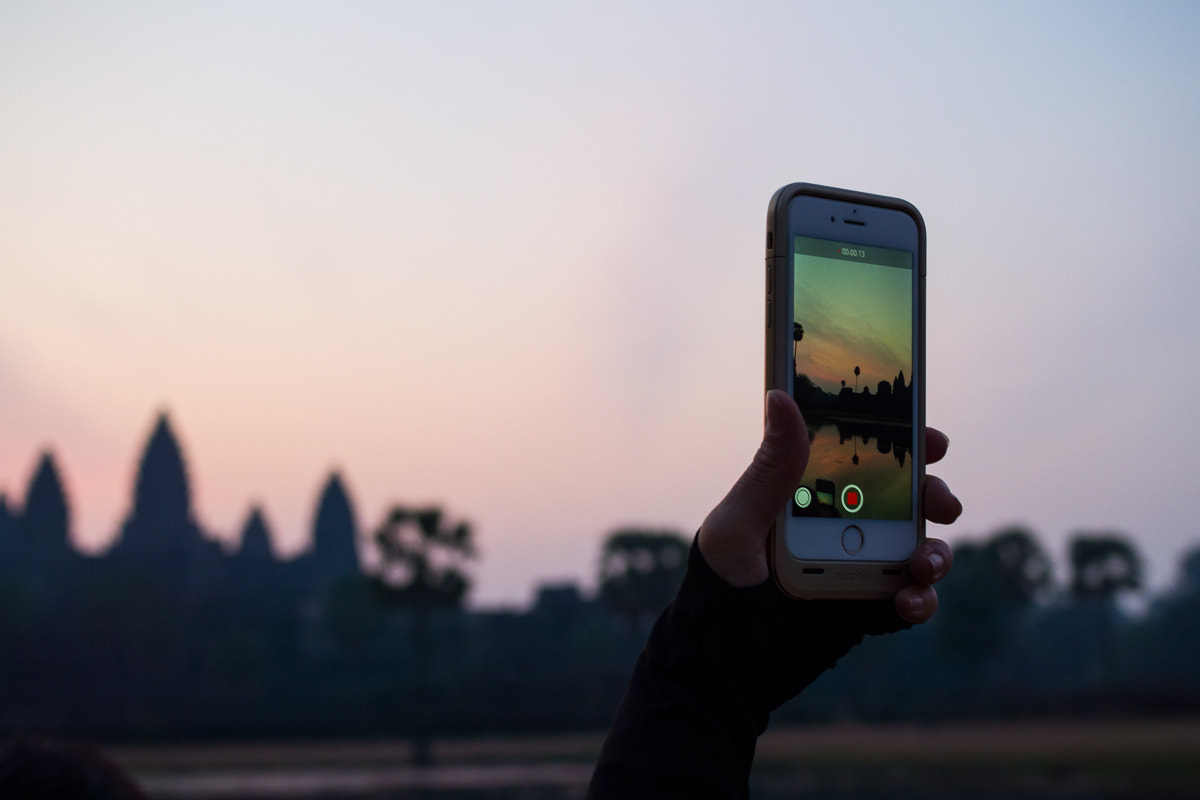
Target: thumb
[734,533]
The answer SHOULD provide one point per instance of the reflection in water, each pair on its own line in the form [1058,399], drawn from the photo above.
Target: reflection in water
[889,438]
[565,781]
[873,456]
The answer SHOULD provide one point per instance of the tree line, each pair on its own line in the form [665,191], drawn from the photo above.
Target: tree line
[167,634]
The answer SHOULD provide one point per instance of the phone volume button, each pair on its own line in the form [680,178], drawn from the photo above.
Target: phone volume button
[770,279]
[768,313]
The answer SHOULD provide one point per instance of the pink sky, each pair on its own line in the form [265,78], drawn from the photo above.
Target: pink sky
[510,261]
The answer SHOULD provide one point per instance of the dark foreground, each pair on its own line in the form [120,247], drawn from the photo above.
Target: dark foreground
[1155,759]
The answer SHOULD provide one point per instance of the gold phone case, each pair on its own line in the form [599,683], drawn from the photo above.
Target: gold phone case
[850,579]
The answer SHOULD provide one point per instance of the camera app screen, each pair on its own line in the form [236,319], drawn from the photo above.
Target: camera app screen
[852,346]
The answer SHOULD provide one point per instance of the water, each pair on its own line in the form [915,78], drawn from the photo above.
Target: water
[567,781]
[873,456]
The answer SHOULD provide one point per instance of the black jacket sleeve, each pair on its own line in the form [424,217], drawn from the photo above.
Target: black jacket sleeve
[717,662]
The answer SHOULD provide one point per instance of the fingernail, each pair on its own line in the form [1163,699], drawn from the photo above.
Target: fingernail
[916,605]
[937,563]
[772,421]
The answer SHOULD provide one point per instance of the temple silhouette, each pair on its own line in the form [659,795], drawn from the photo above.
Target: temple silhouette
[161,546]
[167,621]
[169,634]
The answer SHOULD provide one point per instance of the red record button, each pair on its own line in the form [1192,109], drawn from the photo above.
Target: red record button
[852,498]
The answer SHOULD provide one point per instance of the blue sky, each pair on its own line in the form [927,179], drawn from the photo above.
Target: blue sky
[509,259]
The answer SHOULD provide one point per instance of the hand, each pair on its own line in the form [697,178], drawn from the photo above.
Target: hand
[733,538]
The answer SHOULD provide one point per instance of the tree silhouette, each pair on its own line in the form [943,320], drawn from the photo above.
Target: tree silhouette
[797,335]
[423,561]
[856,374]
[1023,569]
[422,569]
[1169,650]
[984,597]
[970,627]
[1189,571]
[640,571]
[1103,565]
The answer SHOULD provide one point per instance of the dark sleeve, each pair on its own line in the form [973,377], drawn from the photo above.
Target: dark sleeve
[717,662]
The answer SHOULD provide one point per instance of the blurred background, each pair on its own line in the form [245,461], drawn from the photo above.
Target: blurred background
[365,365]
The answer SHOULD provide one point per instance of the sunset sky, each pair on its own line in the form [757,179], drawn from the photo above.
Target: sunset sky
[508,258]
[853,315]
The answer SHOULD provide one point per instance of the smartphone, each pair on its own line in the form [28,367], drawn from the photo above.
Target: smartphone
[846,338]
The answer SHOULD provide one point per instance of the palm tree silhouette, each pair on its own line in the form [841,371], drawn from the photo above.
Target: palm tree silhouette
[856,373]
[797,335]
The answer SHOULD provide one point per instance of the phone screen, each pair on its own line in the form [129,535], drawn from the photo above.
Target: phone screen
[852,376]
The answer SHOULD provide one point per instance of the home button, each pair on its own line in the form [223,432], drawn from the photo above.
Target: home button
[852,540]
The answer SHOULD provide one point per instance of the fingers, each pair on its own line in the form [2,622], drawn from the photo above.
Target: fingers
[941,506]
[929,564]
[931,561]
[933,558]
[936,444]
[732,536]
[916,603]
